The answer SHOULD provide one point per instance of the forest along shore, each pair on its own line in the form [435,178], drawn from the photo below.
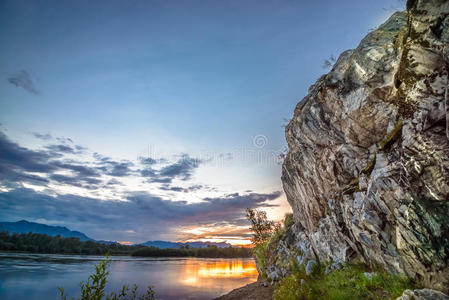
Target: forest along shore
[42,243]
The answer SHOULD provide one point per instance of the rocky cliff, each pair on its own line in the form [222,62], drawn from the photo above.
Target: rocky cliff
[367,172]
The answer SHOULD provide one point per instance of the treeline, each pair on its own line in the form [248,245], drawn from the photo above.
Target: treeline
[207,252]
[42,243]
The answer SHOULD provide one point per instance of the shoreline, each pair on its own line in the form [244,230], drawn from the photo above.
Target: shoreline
[259,290]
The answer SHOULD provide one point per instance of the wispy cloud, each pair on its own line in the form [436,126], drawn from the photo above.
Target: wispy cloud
[182,169]
[25,80]
[43,136]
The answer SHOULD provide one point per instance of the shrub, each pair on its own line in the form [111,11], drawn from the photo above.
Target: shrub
[288,220]
[260,253]
[93,289]
[261,227]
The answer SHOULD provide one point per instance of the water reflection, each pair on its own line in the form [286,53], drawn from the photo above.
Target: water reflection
[173,278]
[201,270]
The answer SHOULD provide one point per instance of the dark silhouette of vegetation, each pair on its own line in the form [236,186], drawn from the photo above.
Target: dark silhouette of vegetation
[261,227]
[42,243]
[207,252]
[263,231]
[93,289]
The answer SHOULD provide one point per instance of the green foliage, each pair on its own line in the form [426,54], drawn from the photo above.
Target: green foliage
[260,253]
[347,283]
[42,243]
[261,227]
[288,220]
[94,288]
[210,251]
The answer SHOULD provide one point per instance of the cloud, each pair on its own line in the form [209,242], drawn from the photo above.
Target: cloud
[14,157]
[61,148]
[147,215]
[64,140]
[79,169]
[120,169]
[45,137]
[52,164]
[16,164]
[196,187]
[25,80]
[147,161]
[182,169]
[114,168]
[74,180]
[219,230]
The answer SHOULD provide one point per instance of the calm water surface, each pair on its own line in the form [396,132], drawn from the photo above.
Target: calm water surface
[37,276]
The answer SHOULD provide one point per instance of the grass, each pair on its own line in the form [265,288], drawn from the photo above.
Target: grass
[347,283]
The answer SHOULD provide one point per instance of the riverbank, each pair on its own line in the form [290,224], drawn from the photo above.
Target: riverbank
[258,290]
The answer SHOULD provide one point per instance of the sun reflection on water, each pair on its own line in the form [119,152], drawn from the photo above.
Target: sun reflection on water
[234,269]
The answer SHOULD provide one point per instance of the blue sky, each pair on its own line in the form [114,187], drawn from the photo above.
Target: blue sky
[189,84]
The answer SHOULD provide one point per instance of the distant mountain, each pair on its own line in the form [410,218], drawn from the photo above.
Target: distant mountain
[177,245]
[26,227]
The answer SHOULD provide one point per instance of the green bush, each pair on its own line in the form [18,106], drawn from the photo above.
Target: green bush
[93,289]
[262,228]
[260,253]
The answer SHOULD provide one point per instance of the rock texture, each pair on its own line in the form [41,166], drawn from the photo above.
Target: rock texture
[367,172]
[424,294]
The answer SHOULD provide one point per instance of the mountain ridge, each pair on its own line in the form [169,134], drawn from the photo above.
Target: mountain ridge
[24,226]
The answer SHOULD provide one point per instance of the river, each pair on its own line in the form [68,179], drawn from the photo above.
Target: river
[37,276]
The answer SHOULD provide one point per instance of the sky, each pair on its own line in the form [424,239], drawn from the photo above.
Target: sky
[159,120]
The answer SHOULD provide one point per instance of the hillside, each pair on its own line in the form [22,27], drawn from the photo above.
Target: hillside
[26,227]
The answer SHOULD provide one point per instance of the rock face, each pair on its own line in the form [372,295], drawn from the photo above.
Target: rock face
[367,172]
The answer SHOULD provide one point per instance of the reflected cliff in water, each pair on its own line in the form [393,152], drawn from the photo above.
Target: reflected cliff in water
[173,278]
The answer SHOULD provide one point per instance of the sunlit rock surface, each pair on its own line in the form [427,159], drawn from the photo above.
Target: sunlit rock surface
[367,172]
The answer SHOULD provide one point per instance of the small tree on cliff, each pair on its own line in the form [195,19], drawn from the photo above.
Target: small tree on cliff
[261,227]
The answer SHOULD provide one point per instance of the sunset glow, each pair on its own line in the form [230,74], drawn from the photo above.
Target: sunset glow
[200,272]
